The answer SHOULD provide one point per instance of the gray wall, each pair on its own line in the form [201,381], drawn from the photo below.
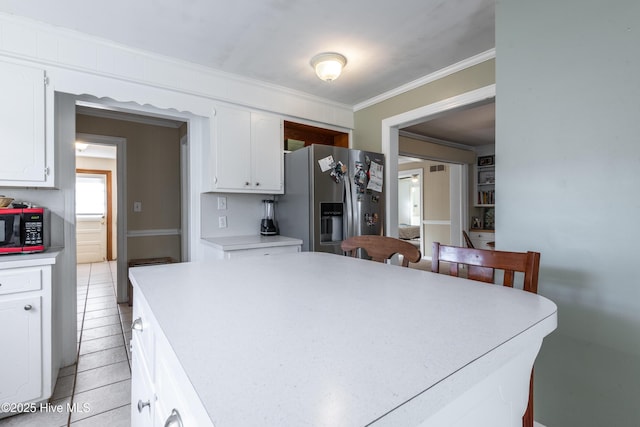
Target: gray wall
[568,162]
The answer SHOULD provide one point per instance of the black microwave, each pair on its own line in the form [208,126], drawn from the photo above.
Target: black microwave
[23,230]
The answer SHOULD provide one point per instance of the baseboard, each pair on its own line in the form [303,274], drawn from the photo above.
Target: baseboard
[537,424]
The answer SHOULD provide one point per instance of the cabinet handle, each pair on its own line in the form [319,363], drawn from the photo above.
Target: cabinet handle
[174,419]
[142,405]
[137,325]
[28,307]
[257,184]
[247,184]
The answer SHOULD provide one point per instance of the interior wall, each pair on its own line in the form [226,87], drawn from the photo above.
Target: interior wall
[567,162]
[367,131]
[97,163]
[152,178]
[424,149]
[436,202]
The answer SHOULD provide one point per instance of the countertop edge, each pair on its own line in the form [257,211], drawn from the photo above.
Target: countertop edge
[234,243]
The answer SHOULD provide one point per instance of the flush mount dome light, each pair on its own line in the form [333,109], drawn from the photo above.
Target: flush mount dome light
[328,65]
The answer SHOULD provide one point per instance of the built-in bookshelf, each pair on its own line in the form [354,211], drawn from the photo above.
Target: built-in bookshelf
[485,182]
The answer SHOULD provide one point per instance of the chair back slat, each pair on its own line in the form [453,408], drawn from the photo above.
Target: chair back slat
[481,264]
[381,248]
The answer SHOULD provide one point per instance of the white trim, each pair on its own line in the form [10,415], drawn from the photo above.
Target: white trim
[121,221]
[155,232]
[184,193]
[454,68]
[436,222]
[112,114]
[537,424]
[436,140]
[390,132]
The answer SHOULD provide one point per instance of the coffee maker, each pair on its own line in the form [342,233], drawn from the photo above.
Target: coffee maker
[268,225]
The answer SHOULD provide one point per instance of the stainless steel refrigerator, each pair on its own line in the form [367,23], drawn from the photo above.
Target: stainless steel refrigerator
[331,193]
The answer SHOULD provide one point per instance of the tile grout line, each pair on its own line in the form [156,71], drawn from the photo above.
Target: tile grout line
[81,340]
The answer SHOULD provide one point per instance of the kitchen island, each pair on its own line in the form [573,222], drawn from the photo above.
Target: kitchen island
[315,339]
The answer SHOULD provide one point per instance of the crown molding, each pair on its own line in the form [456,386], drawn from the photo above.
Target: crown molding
[25,39]
[454,68]
[436,140]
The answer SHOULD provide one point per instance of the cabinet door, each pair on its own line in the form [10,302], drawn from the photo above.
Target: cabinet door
[22,125]
[21,355]
[142,395]
[267,155]
[232,149]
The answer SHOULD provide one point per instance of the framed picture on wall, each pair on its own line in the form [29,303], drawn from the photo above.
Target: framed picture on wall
[485,161]
[476,223]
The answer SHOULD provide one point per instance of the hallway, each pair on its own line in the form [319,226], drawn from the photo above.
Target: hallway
[98,387]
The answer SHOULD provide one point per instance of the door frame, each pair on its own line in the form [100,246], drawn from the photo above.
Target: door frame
[420,172]
[109,213]
[390,145]
[121,223]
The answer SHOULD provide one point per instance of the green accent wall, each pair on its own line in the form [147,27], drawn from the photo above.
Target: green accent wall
[368,121]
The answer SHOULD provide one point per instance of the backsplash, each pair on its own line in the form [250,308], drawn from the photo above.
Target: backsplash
[243,212]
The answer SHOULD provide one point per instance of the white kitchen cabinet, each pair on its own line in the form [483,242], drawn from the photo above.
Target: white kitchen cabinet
[143,400]
[160,390]
[26,137]
[246,153]
[228,247]
[482,238]
[25,327]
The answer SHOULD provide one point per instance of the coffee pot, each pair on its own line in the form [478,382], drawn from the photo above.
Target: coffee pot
[268,225]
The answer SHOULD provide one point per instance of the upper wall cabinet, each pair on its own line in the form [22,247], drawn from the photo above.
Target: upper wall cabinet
[26,149]
[246,153]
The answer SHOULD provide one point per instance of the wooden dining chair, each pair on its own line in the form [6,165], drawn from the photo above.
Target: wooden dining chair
[481,266]
[381,248]
[467,239]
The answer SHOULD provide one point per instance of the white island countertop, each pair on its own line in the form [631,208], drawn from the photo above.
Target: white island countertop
[314,339]
[232,243]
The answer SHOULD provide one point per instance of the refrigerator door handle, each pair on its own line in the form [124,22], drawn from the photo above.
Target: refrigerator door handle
[348,197]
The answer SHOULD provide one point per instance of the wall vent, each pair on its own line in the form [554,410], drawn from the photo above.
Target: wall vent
[436,168]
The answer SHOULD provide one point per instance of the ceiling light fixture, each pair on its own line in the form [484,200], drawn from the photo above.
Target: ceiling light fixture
[328,65]
[81,146]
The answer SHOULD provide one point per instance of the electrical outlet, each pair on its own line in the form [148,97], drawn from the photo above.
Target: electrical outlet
[137,206]
[222,222]
[222,203]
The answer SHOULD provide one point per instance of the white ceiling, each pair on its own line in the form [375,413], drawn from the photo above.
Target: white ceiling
[387,44]
[472,126]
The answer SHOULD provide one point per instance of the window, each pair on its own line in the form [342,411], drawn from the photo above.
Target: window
[90,195]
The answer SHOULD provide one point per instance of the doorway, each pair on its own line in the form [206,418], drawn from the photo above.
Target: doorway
[100,155]
[94,213]
[410,207]
[390,147]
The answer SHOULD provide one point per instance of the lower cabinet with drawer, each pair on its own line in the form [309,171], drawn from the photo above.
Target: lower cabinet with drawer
[249,246]
[483,239]
[26,331]
[161,393]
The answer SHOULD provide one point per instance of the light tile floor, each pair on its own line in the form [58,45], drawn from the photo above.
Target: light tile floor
[98,387]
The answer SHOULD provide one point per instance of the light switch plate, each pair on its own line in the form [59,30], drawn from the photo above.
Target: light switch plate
[222,203]
[222,222]
[137,206]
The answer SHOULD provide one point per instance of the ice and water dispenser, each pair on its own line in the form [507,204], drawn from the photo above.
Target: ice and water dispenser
[331,220]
